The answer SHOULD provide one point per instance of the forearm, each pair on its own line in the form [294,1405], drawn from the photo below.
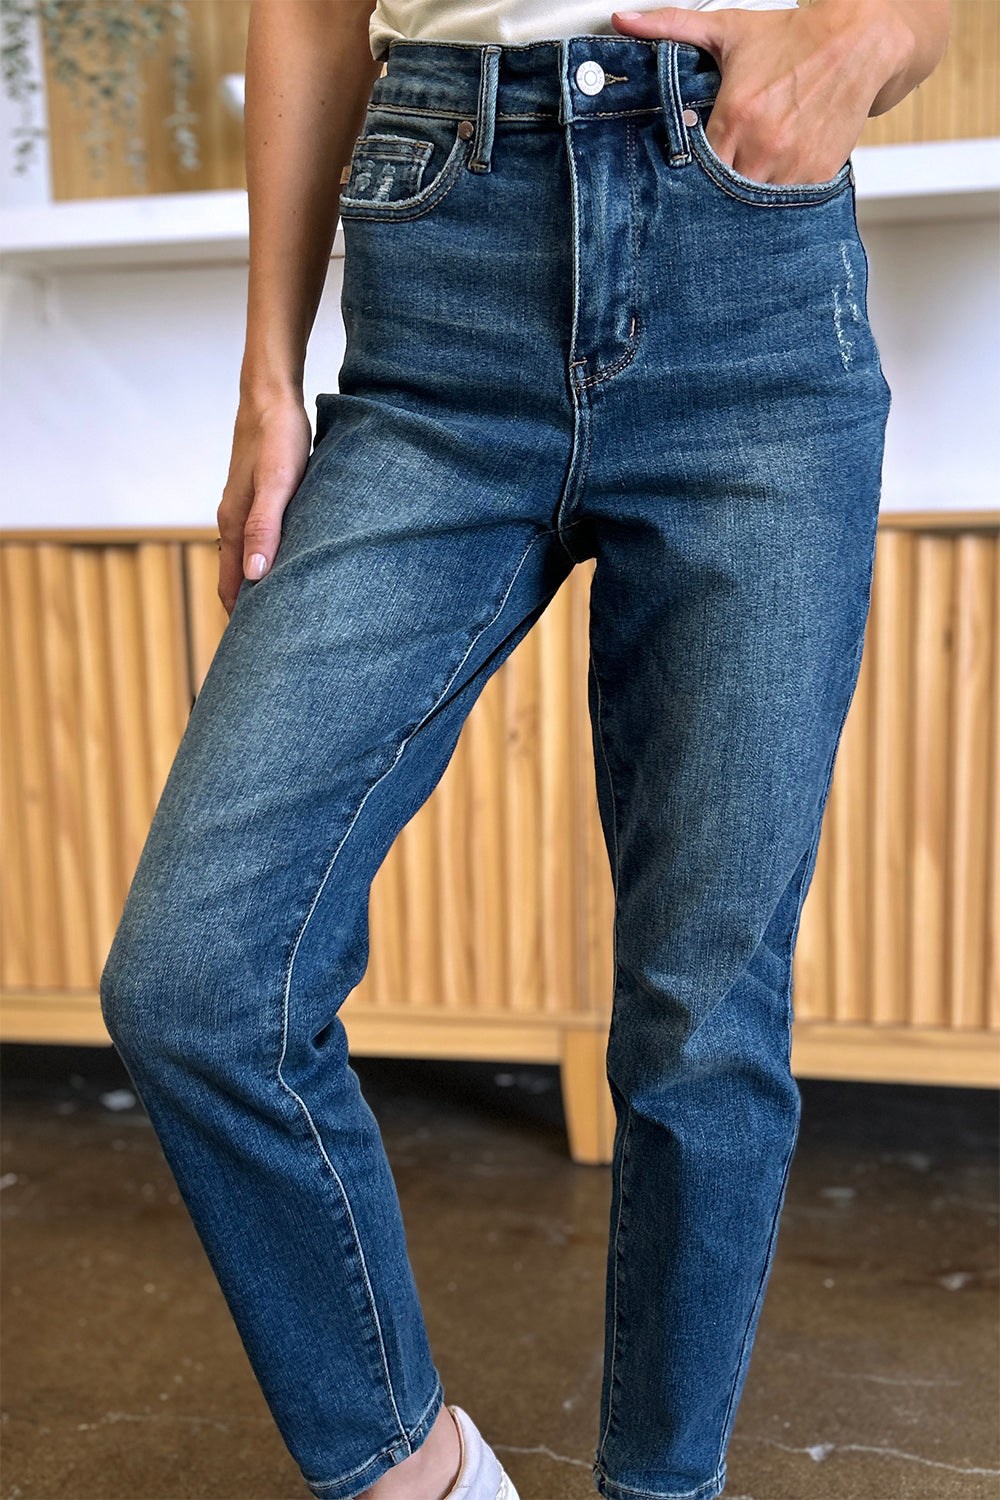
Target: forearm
[309,75]
[907,36]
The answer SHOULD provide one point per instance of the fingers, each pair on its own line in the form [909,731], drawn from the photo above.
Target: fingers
[249,547]
[270,452]
[672,23]
[230,559]
[262,530]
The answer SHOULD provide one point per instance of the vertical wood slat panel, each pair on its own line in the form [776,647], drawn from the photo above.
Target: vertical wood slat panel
[556,855]
[992,936]
[15,904]
[385,981]
[206,614]
[488,893]
[968,826]
[104,872]
[40,959]
[72,924]
[524,888]
[920,752]
[418,843]
[162,630]
[929,743]
[813,966]
[95,644]
[847,828]
[126,678]
[521,681]
[97,693]
[890,643]
[452,916]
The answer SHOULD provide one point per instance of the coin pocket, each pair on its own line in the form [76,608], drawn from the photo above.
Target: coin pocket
[386,169]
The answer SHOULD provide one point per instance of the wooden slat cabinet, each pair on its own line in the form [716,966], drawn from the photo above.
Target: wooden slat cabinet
[491,918]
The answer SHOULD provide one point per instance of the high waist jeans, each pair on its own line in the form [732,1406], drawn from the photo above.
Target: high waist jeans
[573,332]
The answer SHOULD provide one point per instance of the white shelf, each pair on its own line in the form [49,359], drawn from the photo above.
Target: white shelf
[928,180]
[150,229]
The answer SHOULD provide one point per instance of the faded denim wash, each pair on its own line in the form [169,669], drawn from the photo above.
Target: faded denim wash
[573,332]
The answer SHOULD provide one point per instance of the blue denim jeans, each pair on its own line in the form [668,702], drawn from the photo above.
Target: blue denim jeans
[573,333]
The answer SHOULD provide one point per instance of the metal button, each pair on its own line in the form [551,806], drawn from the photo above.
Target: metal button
[690,117]
[466,130]
[590,77]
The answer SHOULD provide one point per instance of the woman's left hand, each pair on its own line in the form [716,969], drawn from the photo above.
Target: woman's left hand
[797,84]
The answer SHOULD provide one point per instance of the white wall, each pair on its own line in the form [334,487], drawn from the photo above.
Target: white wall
[120,387]
[934,304]
[119,392]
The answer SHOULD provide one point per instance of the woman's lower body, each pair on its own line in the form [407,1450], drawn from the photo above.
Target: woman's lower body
[572,333]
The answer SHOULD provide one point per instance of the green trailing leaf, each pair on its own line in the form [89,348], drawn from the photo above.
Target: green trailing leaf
[95,48]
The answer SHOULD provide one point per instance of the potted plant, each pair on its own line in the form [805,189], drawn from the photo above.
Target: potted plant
[95,48]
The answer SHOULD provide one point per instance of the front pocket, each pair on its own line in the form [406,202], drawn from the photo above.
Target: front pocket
[766,194]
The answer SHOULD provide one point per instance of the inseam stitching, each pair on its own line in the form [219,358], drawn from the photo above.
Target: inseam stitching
[614,990]
[295,946]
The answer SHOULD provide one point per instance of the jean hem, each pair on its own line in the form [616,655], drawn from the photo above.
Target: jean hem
[349,1485]
[708,1491]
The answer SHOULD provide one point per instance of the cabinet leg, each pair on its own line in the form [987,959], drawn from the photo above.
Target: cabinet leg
[587,1101]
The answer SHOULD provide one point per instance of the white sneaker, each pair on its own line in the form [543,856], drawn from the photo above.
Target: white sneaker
[481,1475]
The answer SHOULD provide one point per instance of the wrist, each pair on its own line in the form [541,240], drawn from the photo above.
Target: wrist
[880,26]
[873,38]
[264,386]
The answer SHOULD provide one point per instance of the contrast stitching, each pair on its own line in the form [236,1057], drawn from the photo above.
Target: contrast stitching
[641,41]
[427,199]
[634,204]
[617,1265]
[773,195]
[308,917]
[620,363]
[614,991]
[456,114]
[578,462]
[615,114]
[453,114]
[327,1484]
[706,1491]
[579,469]
[547,114]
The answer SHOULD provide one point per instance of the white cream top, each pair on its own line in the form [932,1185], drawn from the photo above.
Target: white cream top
[510,22]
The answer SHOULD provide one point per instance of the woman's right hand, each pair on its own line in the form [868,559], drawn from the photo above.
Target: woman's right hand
[272,441]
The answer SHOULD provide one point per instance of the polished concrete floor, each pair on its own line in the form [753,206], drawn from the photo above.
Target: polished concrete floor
[874,1376]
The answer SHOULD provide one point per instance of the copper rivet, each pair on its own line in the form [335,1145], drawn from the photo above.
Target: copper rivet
[690,117]
[466,130]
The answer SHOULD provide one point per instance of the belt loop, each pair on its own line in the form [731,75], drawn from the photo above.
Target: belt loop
[679,153]
[489,73]
[565,102]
